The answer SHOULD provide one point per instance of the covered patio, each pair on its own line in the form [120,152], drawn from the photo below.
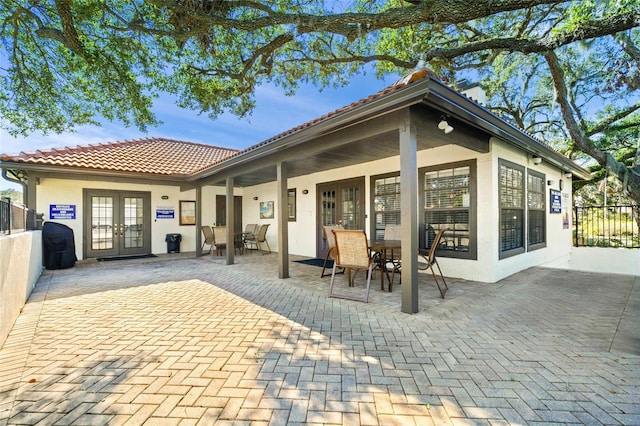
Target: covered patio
[397,122]
[182,340]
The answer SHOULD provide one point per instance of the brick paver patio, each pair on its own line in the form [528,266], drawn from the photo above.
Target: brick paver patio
[192,341]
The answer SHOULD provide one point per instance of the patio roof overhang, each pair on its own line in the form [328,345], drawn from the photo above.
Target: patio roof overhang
[369,132]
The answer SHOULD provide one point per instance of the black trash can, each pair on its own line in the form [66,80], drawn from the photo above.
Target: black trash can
[173,242]
[58,246]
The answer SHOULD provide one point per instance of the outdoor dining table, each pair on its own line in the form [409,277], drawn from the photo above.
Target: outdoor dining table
[381,249]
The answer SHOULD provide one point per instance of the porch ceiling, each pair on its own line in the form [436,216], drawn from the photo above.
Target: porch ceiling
[361,143]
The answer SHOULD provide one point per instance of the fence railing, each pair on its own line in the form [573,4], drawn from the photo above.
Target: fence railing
[606,226]
[16,218]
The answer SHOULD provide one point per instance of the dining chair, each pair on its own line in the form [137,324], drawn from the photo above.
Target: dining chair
[261,237]
[351,253]
[220,239]
[208,237]
[429,258]
[331,246]
[249,236]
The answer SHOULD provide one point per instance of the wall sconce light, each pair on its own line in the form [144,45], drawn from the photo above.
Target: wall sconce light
[445,126]
[165,197]
[255,198]
[568,175]
[305,191]
[536,160]
[550,182]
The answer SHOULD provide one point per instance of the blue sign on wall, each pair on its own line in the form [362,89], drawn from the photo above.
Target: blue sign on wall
[556,201]
[62,211]
[168,213]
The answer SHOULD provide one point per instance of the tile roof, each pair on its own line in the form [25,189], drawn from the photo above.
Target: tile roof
[405,81]
[150,155]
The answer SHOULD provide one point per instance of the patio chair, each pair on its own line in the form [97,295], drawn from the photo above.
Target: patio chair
[249,236]
[393,261]
[429,258]
[219,239]
[208,237]
[261,237]
[352,253]
[331,246]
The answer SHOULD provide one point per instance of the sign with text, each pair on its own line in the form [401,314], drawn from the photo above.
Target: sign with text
[62,211]
[165,213]
[555,205]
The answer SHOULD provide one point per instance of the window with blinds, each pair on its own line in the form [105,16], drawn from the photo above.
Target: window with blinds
[447,204]
[386,199]
[512,208]
[536,210]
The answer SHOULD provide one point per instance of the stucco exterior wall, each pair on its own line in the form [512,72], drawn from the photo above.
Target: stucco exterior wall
[62,191]
[302,232]
[20,268]
[558,238]
[488,267]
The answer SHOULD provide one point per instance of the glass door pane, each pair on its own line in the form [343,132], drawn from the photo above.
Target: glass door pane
[133,212]
[350,208]
[328,207]
[102,230]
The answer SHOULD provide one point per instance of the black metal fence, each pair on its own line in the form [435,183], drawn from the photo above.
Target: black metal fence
[606,226]
[16,218]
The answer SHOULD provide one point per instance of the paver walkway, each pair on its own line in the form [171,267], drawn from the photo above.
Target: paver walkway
[192,341]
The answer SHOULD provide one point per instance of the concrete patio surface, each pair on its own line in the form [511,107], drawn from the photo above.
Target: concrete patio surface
[183,340]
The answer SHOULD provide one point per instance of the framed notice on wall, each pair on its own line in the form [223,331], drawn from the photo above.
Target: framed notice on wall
[555,204]
[187,212]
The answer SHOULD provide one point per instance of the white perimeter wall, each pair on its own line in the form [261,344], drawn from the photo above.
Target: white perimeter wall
[20,268]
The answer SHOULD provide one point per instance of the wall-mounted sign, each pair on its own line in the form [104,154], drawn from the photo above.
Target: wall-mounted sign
[62,211]
[165,213]
[555,206]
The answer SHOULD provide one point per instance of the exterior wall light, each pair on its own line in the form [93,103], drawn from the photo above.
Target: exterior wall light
[305,191]
[444,126]
[255,198]
[536,160]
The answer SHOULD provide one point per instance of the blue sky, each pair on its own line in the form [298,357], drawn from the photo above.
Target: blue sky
[274,113]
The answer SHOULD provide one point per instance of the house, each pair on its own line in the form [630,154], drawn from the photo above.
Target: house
[417,153]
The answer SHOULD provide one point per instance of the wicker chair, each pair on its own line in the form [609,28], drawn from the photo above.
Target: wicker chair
[430,260]
[220,239]
[208,237]
[352,254]
[331,246]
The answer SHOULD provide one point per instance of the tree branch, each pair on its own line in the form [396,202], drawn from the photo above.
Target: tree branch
[586,31]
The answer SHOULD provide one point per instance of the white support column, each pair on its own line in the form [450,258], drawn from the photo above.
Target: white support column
[198,221]
[409,211]
[230,222]
[283,221]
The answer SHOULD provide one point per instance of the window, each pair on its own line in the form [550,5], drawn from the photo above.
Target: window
[536,214]
[512,208]
[291,204]
[386,203]
[448,200]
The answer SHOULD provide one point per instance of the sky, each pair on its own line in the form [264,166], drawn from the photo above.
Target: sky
[274,113]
